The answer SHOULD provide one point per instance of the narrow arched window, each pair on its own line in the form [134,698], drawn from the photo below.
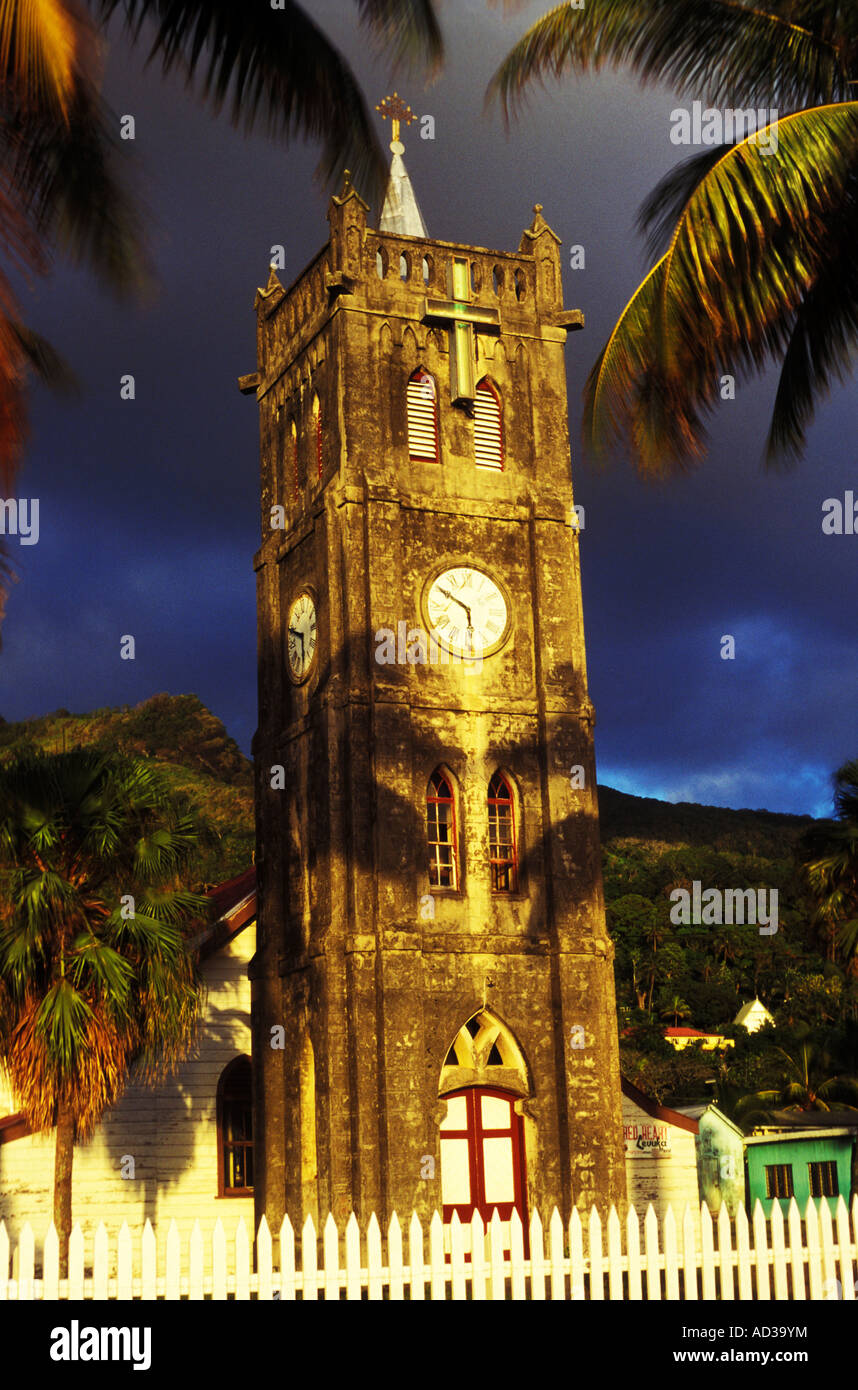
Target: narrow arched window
[488,426]
[422,412]
[317,433]
[503,856]
[441,832]
[235,1129]
[293,445]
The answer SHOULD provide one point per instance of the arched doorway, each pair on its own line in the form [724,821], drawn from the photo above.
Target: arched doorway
[483,1162]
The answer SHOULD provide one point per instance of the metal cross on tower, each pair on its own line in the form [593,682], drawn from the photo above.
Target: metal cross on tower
[461,318]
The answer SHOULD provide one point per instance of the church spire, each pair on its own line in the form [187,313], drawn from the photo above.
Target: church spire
[401,212]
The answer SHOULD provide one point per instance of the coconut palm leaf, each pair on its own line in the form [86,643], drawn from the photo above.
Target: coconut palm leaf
[737,281]
[276,70]
[773,54]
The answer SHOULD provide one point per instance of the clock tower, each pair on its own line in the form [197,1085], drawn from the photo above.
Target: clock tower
[434,1024]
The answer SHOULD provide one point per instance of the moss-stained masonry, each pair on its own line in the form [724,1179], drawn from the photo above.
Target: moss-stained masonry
[371,987]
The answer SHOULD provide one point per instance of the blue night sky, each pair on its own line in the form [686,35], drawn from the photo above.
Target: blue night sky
[149,509]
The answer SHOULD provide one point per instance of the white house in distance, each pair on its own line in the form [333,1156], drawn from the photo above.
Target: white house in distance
[182,1150]
[753,1016]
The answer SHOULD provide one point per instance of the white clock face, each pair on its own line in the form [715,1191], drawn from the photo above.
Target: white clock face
[467,611]
[301,636]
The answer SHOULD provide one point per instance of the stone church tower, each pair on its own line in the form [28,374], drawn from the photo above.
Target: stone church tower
[434,1023]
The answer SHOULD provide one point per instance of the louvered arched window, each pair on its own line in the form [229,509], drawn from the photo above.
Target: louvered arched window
[503,855]
[422,412]
[488,426]
[441,832]
[317,433]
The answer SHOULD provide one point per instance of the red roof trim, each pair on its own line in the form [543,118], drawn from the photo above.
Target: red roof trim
[13,1127]
[658,1112]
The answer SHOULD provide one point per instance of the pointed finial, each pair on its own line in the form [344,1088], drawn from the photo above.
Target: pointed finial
[397,110]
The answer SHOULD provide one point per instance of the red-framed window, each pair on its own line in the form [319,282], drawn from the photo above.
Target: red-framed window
[317,433]
[482,1156]
[235,1130]
[503,853]
[488,426]
[421,408]
[441,832]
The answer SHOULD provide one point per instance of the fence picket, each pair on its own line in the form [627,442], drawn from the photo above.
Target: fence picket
[537,1259]
[847,1278]
[417,1268]
[707,1256]
[27,1264]
[4,1260]
[829,1273]
[577,1268]
[100,1263]
[331,1257]
[264,1263]
[725,1254]
[242,1262]
[196,1264]
[148,1262]
[594,1243]
[558,1276]
[51,1265]
[394,1259]
[437,1263]
[173,1268]
[761,1252]
[653,1272]
[633,1250]
[478,1258]
[518,1289]
[779,1262]
[457,1257]
[219,1290]
[497,1280]
[288,1273]
[353,1283]
[671,1258]
[689,1255]
[309,1261]
[76,1248]
[814,1272]
[124,1263]
[743,1253]
[615,1256]
[796,1251]
[374,1260]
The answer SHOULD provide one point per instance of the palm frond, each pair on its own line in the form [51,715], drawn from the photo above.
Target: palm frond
[749,245]
[276,71]
[408,31]
[39,43]
[718,49]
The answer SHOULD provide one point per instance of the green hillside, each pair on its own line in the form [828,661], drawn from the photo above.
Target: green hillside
[196,753]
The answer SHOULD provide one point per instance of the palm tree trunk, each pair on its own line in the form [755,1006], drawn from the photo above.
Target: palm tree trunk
[63,1156]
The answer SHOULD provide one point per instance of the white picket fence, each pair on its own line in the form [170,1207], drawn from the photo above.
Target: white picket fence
[586,1260]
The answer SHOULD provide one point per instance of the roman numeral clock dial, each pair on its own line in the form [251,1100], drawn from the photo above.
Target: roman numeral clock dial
[467,611]
[301,636]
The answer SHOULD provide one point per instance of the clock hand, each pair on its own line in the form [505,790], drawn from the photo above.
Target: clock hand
[447,594]
[296,632]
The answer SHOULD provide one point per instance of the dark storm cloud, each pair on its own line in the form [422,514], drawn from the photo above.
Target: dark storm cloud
[149,510]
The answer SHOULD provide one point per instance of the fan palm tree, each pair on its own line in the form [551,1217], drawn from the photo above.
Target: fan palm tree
[757,245]
[806,1083]
[830,853]
[96,974]
[675,1007]
[60,185]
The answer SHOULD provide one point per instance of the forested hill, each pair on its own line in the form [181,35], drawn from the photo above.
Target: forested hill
[765,833]
[199,759]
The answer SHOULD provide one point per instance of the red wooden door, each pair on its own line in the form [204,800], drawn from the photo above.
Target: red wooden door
[482,1156]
